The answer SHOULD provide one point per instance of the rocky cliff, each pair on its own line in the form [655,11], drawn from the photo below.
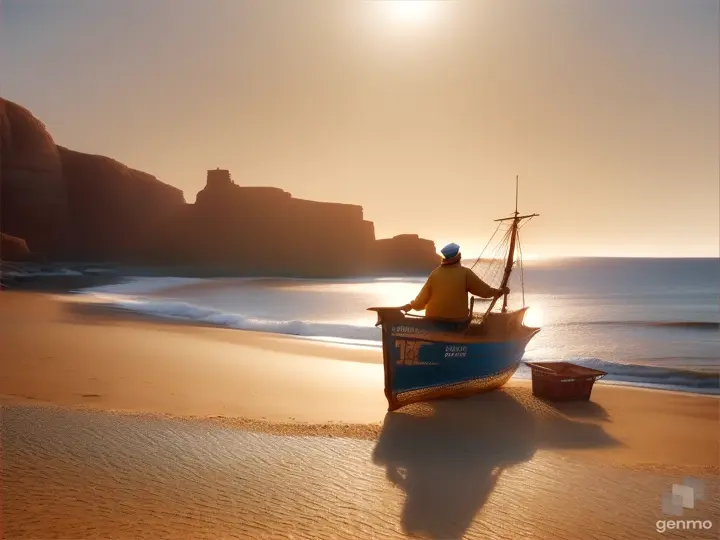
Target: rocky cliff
[261,230]
[116,213]
[13,248]
[33,197]
[71,205]
[406,253]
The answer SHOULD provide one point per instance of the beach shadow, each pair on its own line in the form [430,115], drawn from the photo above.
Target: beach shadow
[582,409]
[447,456]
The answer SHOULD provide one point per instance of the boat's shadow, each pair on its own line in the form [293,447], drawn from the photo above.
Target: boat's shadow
[448,455]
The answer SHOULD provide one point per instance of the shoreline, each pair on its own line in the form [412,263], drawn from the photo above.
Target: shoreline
[33,275]
[707,379]
[89,310]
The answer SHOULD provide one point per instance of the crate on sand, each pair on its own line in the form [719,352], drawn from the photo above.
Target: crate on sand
[563,381]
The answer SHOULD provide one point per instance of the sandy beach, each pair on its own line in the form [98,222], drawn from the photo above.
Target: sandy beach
[119,427]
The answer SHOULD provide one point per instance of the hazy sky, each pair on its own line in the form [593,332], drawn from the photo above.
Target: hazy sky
[423,114]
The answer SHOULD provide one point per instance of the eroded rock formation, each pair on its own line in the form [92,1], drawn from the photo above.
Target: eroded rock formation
[71,205]
[406,253]
[13,248]
[261,230]
[33,197]
[116,213]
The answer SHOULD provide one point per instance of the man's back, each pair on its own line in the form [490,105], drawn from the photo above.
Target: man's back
[448,292]
[445,293]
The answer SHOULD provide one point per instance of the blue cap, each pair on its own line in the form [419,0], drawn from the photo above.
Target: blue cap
[450,251]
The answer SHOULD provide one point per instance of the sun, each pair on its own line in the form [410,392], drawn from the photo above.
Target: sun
[410,12]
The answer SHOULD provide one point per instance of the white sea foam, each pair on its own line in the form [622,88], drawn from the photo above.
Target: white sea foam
[171,309]
[60,272]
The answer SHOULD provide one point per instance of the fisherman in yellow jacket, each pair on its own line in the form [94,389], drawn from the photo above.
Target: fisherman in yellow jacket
[445,293]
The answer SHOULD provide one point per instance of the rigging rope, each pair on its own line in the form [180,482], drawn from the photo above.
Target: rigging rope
[499,267]
[496,251]
[486,245]
[494,266]
[525,222]
[497,264]
[522,272]
[493,257]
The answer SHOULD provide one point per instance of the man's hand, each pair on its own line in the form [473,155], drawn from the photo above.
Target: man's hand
[502,291]
[406,308]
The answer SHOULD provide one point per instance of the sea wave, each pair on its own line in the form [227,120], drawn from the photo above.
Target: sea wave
[697,325]
[59,272]
[369,336]
[645,375]
[173,309]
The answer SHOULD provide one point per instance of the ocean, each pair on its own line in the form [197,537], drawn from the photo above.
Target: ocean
[647,322]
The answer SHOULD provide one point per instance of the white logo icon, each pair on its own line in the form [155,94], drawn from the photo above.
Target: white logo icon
[682,496]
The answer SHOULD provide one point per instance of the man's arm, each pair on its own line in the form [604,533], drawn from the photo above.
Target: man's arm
[478,287]
[421,300]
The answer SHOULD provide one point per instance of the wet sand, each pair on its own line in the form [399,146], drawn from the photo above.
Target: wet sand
[115,427]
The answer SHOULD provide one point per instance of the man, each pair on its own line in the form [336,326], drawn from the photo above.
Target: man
[445,293]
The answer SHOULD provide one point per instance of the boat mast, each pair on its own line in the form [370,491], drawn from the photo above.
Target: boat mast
[516,219]
[511,252]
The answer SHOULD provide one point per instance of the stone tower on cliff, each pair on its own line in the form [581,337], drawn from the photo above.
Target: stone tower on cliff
[219,178]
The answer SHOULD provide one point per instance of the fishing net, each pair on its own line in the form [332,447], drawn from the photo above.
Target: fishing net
[490,267]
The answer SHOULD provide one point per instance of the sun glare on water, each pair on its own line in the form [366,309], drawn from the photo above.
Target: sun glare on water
[531,257]
[533,317]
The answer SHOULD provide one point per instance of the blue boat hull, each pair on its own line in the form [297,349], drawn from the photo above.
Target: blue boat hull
[429,358]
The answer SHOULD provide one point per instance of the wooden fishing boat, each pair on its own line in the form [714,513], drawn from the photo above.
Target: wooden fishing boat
[428,358]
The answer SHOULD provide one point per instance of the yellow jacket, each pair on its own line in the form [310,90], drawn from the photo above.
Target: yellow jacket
[445,293]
